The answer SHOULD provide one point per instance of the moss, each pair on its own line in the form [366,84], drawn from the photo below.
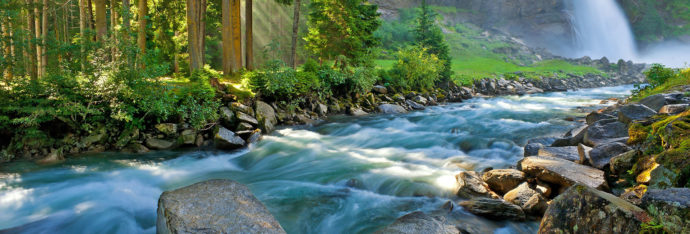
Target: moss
[638,133]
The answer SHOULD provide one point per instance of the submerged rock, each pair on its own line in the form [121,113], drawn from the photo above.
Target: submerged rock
[496,209]
[214,206]
[582,209]
[562,172]
[503,180]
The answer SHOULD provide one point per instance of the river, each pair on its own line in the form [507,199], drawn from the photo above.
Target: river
[344,175]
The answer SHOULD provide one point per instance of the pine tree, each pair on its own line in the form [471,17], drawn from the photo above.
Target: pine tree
[429,35]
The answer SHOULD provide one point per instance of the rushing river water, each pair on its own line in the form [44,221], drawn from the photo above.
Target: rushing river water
[345,175]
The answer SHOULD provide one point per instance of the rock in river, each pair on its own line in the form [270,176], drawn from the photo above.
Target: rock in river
[634,112]
[568,153]
[562,172]
[419,222]
[470,184]
[228,140]
[214,206]
[503,180]
[582,209]
[391,109]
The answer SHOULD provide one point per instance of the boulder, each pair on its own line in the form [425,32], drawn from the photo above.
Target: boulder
[239,107]
[496,209]
[674,109]
[670,207]
[420,100]
[96,137]
[55,156]
[243,127]
[528,198]
[634,112]
[135,148]
[562,172]
[656,102]
[379,89]
[470,184]
[601,155]
[254,137]
[266,116]
[605,131]
[419,222]
[214,206]
[503,180]
[414,105]
[583,152]
[356,111]
[243,117]
[169,129]
[126,137]
[582,209]
[596,116]
[227,117]
[159,144]
[188,137]
[568,153]
[623,162]
[322,109]
[228,140]
[391,109]
[532,149]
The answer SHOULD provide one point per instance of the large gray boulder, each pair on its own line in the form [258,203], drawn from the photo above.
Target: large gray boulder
[596,116]
[634,112]
[671,208]
[266,116]
[391,109]
[470,185]
[562,172]
[568,153]
[503,180]
[497,209]
[600,156]
[414,105]
[655,102]
[227,117]
[214,206]
[532,149]
[419,222]
[674,109]
[228,140]
[605,131]
[623,162]
[582,209]
[159,144]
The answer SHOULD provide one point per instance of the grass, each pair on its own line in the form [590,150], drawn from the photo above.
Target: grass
[469,69]
[682,79]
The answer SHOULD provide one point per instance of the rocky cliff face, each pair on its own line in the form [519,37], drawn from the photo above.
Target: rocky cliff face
[541,23]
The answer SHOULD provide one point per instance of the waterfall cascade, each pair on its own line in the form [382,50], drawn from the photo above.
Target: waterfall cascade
[602,29]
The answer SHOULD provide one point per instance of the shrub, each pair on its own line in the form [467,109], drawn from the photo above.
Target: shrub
[658,75]
[416,69]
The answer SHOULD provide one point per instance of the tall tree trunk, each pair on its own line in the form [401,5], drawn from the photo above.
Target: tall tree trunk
[113,24]
[125,16]
[56,28]
[44,40]
[196,10]
[89,8]
[30,51]
[39,42]
[249,35]
[101,25]
[6,28]
[228,48]
[82,31]
[295,32]
[141,37]
[236,33]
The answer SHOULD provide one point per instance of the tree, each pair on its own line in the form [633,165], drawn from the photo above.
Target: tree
[196,9]
[101,25]
[227,36]
[430,36]
[236,33]
[342,28]
[295,31]
[249,35]
[30,52]
[141,36]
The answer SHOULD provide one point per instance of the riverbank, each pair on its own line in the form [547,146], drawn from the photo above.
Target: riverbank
[243,120]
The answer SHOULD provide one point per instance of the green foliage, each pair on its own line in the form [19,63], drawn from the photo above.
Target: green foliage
[658,75]
[429,35]
[342,28]
[416,69]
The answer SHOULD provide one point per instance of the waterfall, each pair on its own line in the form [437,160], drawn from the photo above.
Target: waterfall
[602,29]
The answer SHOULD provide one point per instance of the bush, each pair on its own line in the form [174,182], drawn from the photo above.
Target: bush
[658,75]
[416,69]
